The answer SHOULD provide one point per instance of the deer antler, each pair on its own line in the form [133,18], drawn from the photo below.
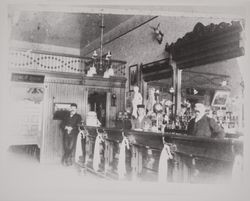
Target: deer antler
[152,28]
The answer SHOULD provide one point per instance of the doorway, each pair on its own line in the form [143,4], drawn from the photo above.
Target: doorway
[97,102]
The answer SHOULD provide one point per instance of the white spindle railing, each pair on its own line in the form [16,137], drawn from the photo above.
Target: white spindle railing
[57,63]
[47,62]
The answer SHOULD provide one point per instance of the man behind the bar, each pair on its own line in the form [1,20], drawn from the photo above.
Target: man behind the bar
[142,122]
[70,126]
[123,121]
[204,126]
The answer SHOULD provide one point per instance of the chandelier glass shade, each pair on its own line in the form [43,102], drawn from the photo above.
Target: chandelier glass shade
[101,64]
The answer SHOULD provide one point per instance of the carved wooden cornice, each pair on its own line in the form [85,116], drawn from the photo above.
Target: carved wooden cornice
[74,78]
[114,82]
[207,44]
[95,81]
[60,80]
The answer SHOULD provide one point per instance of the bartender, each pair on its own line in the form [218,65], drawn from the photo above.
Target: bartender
[123,121]
[142,122]
[202,125]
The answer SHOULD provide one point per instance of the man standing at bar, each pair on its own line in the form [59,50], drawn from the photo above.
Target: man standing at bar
[70,126]
[202,125]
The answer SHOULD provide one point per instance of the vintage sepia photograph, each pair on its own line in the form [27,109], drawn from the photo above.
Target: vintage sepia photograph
[124,102]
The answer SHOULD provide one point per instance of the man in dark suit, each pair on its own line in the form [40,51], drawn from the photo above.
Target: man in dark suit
[70,128]
[123,121]
[202,125]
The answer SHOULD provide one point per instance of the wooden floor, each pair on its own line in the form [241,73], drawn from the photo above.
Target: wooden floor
[23,178]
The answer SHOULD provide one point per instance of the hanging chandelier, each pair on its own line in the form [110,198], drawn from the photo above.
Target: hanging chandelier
[100,65]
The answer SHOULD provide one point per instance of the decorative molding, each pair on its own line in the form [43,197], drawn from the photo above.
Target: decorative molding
[62,80]
[99,90]
[115,82]
[156,70]
[207,44]
[98,81]
[76,78]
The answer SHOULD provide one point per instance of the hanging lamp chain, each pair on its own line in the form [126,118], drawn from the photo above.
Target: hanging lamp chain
[101,47]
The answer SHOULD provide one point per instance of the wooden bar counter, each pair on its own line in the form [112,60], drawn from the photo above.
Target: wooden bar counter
[195,159]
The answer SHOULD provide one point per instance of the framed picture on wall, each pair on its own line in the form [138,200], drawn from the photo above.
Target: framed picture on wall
[60,110]
[220,98]
[133,76]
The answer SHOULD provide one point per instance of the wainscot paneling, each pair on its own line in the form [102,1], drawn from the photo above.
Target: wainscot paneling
[75,89]
[58,91]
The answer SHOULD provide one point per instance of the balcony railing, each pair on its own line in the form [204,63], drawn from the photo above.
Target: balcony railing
[52,62]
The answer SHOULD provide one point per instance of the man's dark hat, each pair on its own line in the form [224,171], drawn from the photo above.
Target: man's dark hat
[141,106]
[73,105]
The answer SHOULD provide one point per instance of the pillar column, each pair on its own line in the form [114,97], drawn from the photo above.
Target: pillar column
[177,76]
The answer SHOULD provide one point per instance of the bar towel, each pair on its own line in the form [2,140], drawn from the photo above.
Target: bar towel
[122,158]
[97,157]
[163,163]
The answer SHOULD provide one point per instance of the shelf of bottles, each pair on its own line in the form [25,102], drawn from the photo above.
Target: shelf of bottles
[179,122]
[228,120]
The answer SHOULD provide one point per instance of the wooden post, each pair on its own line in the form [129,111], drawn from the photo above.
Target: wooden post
[174,81]
[139,160]
[185,172]
[133,162]
[87,150]
[108,155]
[178,91]
[177,171]
[83,144]
[91,148]
[136,162]
[144,92]
[85,103]
[108,107]
[177,87]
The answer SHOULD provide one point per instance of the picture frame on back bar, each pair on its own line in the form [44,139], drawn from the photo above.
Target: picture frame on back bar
[220,98]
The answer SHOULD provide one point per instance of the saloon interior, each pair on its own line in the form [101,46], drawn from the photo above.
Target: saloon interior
[186,55]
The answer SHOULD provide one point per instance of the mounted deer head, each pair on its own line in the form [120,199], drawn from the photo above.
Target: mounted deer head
[158,34]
